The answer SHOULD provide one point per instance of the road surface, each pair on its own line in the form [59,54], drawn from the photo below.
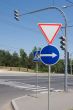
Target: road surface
[15,86]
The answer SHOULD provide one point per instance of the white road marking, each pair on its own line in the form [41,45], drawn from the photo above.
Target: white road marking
[20,85]
[26,86]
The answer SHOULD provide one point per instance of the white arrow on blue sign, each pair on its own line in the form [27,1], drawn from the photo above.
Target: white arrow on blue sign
[49,55]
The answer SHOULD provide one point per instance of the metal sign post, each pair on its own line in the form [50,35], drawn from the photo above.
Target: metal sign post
[49,71]
[36,59]
[49,56]
[36,79]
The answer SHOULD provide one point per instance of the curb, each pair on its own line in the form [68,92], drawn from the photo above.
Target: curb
[14,106]
[13,103]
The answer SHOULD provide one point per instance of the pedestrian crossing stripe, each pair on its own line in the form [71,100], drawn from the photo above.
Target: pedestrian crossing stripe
[26,86]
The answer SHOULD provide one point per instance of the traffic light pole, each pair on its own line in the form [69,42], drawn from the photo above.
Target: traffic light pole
[65,34]
[66,62]
[71,63]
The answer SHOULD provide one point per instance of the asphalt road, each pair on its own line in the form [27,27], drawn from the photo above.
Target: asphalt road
[15,86]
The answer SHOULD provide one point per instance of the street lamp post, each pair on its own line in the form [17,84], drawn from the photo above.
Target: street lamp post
[65,34]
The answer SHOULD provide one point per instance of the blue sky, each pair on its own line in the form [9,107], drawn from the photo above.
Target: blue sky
[25,33]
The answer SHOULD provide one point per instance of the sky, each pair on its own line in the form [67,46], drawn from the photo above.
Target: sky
[26,33]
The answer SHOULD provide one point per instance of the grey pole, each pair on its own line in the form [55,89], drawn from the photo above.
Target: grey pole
[66,62]
[36,79]
[71,66]
[49,71]
[65,34]
[71,63]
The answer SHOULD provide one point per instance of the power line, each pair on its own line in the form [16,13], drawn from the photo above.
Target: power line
[69,1]
[19,26]
[68,26]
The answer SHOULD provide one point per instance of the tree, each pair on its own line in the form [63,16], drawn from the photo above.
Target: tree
[2,57]
[7,58]
[59,67]
[30,60]
[42,67]
[15,60]
[23,58]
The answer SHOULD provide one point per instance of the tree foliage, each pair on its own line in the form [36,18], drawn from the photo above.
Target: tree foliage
[15,60]
[22,60]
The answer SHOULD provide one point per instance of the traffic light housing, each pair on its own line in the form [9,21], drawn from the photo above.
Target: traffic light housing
[62,42]
[16,15]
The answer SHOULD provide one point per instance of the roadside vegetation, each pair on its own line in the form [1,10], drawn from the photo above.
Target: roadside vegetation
[22,60]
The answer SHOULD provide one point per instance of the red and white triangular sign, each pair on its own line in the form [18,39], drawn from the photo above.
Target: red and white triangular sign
[50,30]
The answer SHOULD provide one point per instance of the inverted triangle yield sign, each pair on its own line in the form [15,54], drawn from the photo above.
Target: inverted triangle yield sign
[50,30]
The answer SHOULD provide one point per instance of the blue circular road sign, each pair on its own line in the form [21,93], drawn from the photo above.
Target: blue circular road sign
[49,55]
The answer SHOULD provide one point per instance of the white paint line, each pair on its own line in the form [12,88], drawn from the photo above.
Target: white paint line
[40,90]
[43,92]
[58,90]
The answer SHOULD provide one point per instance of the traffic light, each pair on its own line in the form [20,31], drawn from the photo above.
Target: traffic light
[62,42]
[16,15]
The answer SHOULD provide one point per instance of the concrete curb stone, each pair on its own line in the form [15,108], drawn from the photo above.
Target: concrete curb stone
[14,106]
[59,101]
